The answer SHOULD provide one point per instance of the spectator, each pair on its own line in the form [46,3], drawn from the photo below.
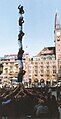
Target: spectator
[53,108]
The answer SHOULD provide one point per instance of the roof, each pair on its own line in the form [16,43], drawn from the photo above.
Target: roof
[47,51]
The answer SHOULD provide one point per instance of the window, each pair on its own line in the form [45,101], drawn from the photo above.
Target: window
[54,71]
[41,75]
[54,66]
[47,62]
[47,75]
[41,71]
[41,62]
[36,63]
[36,67]
[41,67]
[47,71]
[29,75]
[58,39]
[47,66]
[6,70]
[6,63]
[36,71]
[35,74]
[53,75]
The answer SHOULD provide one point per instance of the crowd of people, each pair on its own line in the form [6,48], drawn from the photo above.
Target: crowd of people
[28,102]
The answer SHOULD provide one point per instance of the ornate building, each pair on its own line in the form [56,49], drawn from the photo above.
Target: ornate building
[47,64]
[10,66]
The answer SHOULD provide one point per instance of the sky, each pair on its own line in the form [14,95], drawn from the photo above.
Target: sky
[38,26]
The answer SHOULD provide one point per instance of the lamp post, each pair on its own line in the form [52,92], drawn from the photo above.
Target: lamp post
[21,51]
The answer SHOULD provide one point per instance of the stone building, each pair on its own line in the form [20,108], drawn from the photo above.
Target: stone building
[47,63]
[10,66]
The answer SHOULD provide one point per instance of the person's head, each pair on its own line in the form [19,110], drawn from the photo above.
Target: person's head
[53,97]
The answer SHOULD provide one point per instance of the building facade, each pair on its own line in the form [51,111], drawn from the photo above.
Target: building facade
[10,66]
[47,63]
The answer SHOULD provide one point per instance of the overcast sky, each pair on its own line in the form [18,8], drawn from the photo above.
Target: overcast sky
[38,27]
